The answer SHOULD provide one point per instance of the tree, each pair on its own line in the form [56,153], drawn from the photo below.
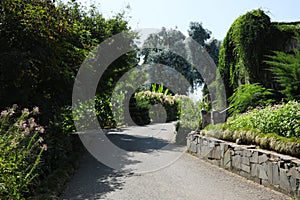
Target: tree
[198,33]
[162,42]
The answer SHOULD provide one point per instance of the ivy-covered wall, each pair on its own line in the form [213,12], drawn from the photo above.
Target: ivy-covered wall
[250,38]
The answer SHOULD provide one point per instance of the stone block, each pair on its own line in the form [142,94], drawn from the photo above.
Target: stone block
[270,172]
[198,149]
[275,174]
[254,170]
[193,147]
[216,153]
[244,174]
[223,148]
[247,153]
[263,171]
[188,142]
[227,159]
[284,181]
[254,157]
[205,151]
[212,144]
[245,161]
[294,184]
[245,168]
[236,162]
[262,158]
[294,173]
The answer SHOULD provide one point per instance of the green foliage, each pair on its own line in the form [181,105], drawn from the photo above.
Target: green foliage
[243,48]
[286,68]
[249,39]
[198,33]
[21,148]
[42,45]
[249,96]
[100,106]
[190,119]
[146,99]
[163,41]
[282,119]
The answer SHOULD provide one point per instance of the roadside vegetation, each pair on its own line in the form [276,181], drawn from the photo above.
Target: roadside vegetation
[43,44]
[263,86]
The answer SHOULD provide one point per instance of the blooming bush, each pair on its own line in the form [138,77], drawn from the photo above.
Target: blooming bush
[146,99]
[282,119]
[21,147]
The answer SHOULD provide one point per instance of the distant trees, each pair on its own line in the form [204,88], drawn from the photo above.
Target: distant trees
[174,39]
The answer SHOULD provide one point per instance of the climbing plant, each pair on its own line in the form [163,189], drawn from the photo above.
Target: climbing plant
[250,38]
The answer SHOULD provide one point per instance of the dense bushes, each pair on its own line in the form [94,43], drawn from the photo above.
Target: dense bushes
[282,119]
[274,127]
[250,38]
[21,148]
[249,96]
[146,99]
[286,69]
[42,45]
[177,107]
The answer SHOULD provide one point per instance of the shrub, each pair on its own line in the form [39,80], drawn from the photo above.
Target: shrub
[282,119]
[286,68]
[146,99]
[21,147]
[101,106]
[248,95]
[190,118]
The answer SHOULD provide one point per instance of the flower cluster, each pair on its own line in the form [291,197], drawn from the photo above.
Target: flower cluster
[21,147]
[21,124]
[157,97]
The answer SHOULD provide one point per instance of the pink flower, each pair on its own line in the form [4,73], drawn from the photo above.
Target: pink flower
[32,124]
[24,126]
[25,112]
[4,113]
[45,147]
[36,110]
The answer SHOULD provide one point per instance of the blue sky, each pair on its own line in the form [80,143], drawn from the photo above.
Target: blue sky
[215,15]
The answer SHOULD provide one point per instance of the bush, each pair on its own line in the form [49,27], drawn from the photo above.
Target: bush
[282,119]
[286,68]
[101,106]
[190,119]
[146,99]
[21,147]
[248,95]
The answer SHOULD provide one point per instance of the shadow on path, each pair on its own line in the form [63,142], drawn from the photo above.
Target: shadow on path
[136,143]
[93,179]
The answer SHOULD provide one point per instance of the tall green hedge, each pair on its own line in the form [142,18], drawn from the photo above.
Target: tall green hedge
[250,38]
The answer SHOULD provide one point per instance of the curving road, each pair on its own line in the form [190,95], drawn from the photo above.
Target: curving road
[149,178]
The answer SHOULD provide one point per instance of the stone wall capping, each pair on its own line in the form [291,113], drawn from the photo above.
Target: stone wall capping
[271,169]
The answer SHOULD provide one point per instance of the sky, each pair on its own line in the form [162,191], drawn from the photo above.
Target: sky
[215,15]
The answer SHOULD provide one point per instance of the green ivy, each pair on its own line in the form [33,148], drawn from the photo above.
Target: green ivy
[249,39]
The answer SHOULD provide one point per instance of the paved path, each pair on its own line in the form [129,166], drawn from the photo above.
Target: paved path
[185,178]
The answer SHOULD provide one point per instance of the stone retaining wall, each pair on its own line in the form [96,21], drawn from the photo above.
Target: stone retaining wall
[268,168]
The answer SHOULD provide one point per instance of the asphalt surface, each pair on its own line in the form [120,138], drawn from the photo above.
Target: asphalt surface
[161,171]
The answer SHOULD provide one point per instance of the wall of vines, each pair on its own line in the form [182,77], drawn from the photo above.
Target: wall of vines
[250,38]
